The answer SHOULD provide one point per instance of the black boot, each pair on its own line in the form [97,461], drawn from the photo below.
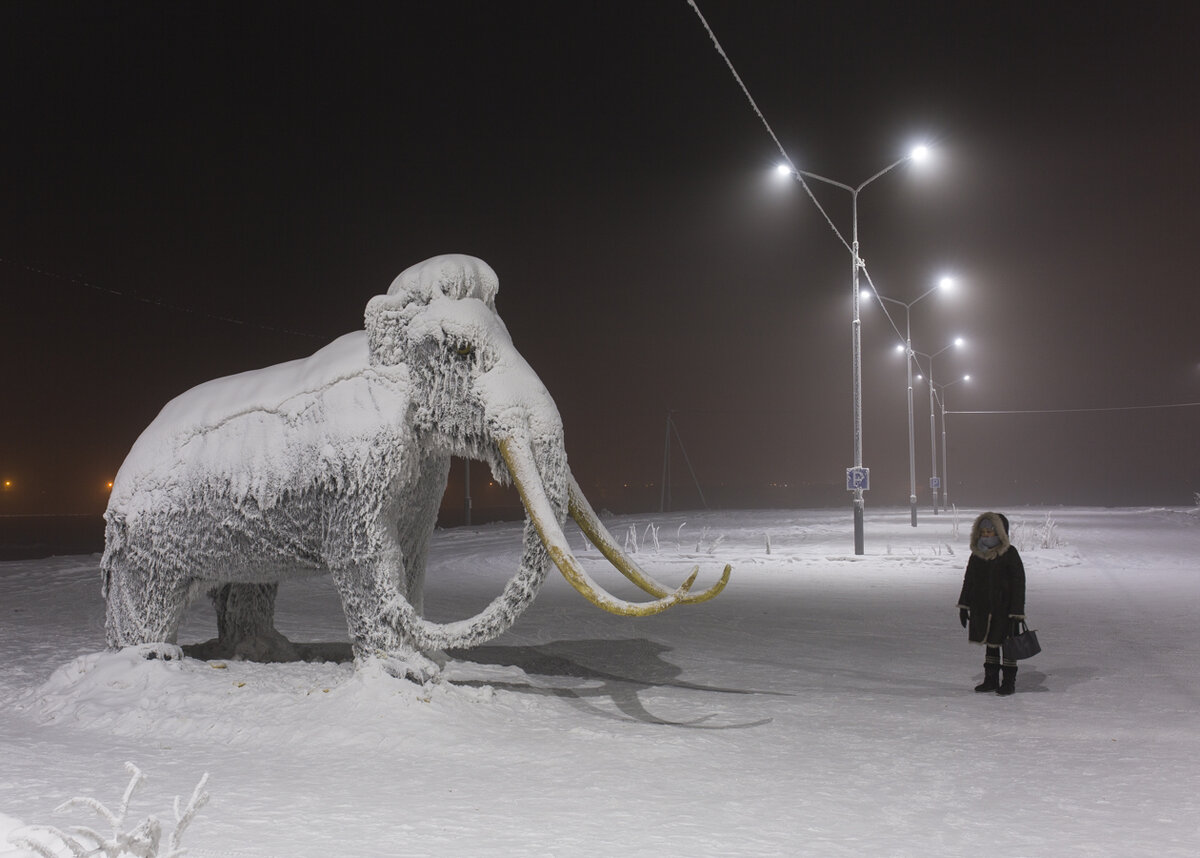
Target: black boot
[991,678]
[1009,685]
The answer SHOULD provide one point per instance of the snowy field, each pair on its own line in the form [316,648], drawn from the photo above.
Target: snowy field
[821,706]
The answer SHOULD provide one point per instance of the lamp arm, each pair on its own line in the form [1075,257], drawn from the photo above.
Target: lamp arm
[883,306]
[836,184]
[800,174]
[885,170]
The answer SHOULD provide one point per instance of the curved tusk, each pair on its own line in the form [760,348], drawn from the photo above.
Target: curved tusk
[600,537]
[519,459]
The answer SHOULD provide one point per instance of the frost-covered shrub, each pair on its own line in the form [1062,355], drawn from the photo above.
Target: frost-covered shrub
[648,539]
[708,542]
[651,531]
[143,840]
[631,540]
[1032,537]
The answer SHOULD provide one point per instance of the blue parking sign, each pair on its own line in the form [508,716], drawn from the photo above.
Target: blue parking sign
[858,478]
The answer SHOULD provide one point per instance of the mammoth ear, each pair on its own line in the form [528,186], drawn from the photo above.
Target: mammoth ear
[386,321]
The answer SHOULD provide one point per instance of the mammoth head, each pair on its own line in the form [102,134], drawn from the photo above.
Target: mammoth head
[471,387]
[475,396]
[390,317]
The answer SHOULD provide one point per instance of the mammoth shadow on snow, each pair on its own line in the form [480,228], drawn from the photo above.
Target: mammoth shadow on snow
[338,652]
[623,669]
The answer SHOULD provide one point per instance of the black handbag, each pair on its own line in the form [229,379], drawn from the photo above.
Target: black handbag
[1024,644]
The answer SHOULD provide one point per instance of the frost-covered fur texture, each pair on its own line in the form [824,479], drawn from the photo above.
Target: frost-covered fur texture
[334,463]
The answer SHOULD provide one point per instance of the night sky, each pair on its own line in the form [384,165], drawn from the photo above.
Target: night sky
[195,189]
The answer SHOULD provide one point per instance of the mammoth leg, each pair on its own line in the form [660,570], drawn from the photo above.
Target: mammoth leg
[368,589]
[246,623]
[142,607]
[415,524]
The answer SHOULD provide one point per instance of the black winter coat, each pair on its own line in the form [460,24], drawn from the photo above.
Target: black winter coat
[993,589]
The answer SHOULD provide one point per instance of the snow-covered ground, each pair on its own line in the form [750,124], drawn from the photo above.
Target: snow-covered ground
[821,706]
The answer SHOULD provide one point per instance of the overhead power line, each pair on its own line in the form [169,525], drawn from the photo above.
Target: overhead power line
[762,118]
[1084,410]
[156,302]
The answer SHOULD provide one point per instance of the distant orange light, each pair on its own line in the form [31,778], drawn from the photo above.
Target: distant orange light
[109,484]
[8,484]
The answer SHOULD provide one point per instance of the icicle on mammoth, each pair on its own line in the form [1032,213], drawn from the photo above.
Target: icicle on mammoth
[336,463]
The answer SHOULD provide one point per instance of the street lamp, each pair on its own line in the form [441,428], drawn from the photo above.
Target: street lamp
[933,479]
[857,478]
[945,466]
[906,347]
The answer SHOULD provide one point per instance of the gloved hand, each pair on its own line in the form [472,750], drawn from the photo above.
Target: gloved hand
[963,616]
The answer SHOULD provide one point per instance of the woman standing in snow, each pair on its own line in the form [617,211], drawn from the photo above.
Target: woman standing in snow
[992,601]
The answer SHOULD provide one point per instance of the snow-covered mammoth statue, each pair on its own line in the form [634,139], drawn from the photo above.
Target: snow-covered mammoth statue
[337,463]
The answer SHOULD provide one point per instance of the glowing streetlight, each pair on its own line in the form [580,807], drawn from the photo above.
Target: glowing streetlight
[934,482]
[945,466]
[906,347]
[857,478]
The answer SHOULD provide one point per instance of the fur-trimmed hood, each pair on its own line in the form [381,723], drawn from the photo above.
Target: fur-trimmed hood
[1001,523]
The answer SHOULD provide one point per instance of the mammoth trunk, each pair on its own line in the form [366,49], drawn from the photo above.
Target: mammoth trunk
[449,412]
[545,463]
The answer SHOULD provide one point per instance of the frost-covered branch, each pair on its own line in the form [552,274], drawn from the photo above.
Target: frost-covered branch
[651,531]
[143,841]
[183,819]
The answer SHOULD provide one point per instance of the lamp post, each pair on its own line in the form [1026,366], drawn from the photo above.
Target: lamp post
[945,465]
[857,477]
[906,347]
[933,479]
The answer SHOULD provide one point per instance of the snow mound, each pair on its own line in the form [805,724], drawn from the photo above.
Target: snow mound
[124,693]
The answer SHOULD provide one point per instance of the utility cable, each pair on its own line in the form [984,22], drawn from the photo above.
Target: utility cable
[156,302]
[767,125]
[1085,410]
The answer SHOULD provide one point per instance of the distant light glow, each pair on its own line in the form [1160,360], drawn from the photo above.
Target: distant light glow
[783,170]
[966,378]
[959,341]
[899,347]
[946,283]
[920,153]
